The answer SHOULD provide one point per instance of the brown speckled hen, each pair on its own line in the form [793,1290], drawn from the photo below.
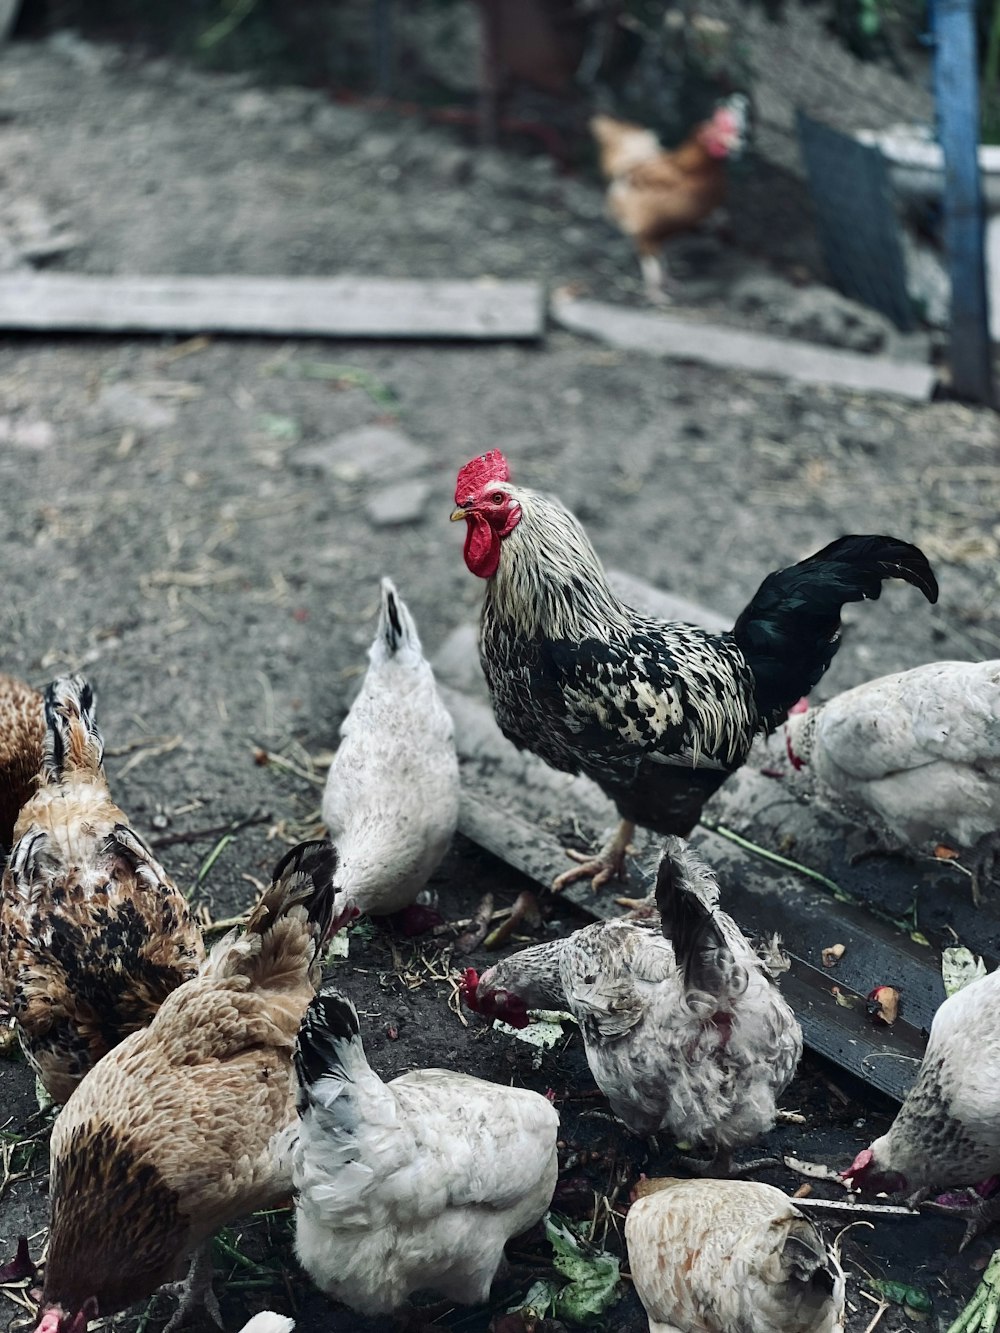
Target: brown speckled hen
[94,935]
[657,713]
[22,735]
[167,1138]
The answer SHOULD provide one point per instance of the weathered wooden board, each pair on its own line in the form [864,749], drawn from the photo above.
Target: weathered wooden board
[523,812]
[737,349]
[342,307]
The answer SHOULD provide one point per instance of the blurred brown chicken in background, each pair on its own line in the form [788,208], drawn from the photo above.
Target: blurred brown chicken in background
[655,193]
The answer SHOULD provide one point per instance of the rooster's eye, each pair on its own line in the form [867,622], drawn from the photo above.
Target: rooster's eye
[497,498]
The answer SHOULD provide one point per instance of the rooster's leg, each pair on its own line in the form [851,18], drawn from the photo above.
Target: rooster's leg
[195,1292]
[608,863]
[982,1312]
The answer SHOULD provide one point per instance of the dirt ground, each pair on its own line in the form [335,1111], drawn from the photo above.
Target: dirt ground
[179,522]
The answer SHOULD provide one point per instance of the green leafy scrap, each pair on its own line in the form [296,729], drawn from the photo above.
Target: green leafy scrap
[960,966]
[594,1277]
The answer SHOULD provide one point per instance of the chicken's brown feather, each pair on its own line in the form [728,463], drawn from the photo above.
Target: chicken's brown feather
[94,935]
[188,1106]
[22,733]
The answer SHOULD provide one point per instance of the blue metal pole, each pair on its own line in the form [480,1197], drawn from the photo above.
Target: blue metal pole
[956,88]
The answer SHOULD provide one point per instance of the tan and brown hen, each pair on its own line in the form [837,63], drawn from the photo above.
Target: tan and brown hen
[167,1139]
[94,935]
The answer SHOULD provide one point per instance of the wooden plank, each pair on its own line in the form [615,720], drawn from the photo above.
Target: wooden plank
[343,307]
[736,349]
[521,810]
[957,93]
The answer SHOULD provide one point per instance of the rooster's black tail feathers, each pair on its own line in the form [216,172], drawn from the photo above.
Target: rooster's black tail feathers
[790,631]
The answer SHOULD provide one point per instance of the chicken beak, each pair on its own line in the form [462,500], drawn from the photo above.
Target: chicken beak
[458,514]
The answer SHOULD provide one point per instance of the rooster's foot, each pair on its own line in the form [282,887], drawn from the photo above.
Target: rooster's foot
[608,863]
[195,1292]
[982,1312]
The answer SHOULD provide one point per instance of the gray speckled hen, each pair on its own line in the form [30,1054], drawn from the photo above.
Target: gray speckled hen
[687,1033]
[916,755]
[656,712]
[947,1132]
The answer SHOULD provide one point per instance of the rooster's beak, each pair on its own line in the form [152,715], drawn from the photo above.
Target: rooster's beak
[459,514]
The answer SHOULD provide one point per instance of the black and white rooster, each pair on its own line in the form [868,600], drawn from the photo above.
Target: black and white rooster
[658,713]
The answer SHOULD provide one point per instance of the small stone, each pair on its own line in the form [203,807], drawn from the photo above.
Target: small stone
[33,435]
[371,453]
[394,505]
[122,405]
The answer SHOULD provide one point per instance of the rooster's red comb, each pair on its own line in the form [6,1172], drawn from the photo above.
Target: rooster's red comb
[479,472]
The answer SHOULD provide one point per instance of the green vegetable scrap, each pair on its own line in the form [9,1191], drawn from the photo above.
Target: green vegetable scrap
[959,966]
[901,1293]
[594,1283]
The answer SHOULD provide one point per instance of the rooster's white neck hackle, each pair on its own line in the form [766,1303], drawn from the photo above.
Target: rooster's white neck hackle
[550,581]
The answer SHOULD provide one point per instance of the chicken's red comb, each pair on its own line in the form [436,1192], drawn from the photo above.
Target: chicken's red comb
[479,472]
[468,987]
[860,1164]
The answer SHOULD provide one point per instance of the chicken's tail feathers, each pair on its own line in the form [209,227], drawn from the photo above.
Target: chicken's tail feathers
[790,630]
[687,898]
[329,1054]
[397,630]
[285,931]
[303,876]
[813,1271]
[72,739]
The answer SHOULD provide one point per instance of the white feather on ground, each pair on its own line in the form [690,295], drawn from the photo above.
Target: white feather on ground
[726,1256]
[391,797]
[413,1184]
[917,754]
[699,1041]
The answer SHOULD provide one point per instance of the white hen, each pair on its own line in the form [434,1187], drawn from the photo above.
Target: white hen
[391,798]
[687,1033]
[413,1184]
[916,753]
[726,1256]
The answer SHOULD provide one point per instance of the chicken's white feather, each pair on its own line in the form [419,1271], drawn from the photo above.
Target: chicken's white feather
[417,1183]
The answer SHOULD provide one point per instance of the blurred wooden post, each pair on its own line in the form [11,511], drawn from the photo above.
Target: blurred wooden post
[956,87]
[489,71]
[382,43]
